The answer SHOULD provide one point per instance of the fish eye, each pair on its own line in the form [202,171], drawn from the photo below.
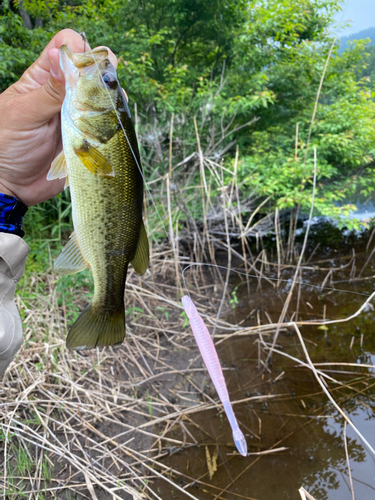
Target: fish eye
[108,79]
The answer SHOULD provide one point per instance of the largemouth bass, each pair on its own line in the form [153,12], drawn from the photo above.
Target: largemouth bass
[102,168]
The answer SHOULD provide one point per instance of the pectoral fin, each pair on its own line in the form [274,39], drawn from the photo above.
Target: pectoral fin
[59,168]
[70,260]
[141,257]
[93,159]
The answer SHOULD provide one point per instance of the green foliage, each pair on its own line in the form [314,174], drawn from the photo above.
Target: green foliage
[247,71]
[185,319]
[21,464]
[367,71]
[233,302]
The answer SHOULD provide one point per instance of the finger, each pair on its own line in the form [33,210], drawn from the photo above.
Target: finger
[39,71]
[55,70]
[39,106]
[126,95]
[41,190]
[111,55]
[68,37]
[43,83]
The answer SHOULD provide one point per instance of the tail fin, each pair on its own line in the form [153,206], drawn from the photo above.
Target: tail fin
[93,329]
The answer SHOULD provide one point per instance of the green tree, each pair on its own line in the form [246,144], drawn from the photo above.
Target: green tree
[248,71]
[367,71]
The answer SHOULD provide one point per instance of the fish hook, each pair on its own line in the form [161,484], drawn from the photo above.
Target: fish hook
[83,35]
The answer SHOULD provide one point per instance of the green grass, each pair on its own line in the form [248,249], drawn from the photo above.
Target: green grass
[21,466]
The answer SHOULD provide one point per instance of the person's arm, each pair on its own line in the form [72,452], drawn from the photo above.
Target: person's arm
[30,139]
[13,256]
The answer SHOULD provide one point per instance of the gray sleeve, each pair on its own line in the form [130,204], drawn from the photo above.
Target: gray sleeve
[13,256]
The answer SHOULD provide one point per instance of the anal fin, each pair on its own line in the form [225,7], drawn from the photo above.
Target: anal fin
[70,260]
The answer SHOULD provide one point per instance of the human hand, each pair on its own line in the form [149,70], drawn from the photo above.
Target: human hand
[30,129]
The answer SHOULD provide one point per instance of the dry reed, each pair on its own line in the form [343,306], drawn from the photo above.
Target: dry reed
[99,424]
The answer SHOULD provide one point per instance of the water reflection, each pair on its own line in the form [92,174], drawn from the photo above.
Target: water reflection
[296,413]
[365,210]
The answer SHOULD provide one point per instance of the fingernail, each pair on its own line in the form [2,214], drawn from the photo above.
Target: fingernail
[54,68]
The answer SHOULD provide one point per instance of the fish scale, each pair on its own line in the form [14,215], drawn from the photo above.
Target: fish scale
[106,188]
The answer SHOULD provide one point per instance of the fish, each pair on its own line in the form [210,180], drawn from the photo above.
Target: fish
[101,164]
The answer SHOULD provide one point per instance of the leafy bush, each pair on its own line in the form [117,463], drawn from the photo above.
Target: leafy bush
[248,72]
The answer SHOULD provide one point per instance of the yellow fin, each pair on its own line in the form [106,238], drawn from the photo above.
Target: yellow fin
[70,260]
[141,257]
[93,159]
[59,168]
[94,329]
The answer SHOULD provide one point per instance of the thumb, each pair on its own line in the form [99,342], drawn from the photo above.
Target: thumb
[44,102]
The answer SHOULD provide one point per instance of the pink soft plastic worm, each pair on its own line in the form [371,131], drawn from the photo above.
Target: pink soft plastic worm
[211,360]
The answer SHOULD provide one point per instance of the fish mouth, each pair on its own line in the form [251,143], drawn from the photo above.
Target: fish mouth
[81,60]
[67,65]
[74,65]
[85,59]
[66,50]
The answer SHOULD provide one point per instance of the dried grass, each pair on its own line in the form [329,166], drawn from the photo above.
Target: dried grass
[99,424]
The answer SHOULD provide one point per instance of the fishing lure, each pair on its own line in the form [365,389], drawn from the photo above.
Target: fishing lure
[211,360]
[201,333]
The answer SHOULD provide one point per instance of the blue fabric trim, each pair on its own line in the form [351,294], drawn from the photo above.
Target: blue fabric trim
[12,211]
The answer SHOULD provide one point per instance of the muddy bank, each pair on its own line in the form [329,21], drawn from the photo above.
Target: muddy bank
[143,419]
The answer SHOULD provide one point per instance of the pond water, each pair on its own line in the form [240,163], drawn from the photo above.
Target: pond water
[365,206]
[294,415]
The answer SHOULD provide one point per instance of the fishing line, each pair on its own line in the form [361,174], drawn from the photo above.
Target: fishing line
[161,220]
[200,331]
[128,141]
[304,283]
